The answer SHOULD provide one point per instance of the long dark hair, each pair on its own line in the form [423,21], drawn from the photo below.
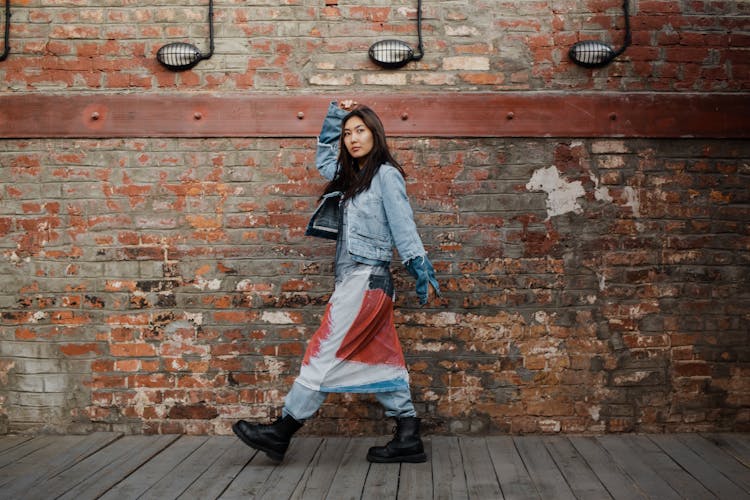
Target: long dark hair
[351,179]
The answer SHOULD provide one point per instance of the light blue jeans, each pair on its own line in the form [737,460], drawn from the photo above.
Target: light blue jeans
[301,403]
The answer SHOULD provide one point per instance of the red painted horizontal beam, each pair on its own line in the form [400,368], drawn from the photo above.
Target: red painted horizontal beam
[502,114]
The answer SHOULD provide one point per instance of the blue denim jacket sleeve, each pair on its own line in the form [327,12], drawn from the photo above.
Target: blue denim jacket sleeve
[422,270]
[399,214]
[405,235]
[327,154]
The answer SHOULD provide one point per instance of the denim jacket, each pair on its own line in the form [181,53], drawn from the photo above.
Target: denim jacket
[381,217]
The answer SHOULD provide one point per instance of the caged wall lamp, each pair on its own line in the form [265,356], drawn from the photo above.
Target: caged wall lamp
[395,53]
[179,56]
[594,54]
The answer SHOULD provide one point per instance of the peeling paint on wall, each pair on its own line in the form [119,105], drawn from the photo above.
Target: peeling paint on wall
[601,193]
[5,367]
[562,196]
[632,200]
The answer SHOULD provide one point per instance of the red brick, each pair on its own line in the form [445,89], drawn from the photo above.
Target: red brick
[692,369]
[80,349]
[132,350]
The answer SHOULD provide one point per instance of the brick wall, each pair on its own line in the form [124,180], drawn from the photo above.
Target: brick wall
[165,285]
[318,45]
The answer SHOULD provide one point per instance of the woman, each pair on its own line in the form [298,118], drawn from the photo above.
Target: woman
[356,349]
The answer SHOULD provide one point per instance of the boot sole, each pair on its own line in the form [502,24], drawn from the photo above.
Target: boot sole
[417,458]
[273,455]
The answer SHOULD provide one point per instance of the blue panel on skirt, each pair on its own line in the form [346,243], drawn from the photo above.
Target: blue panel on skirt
[397,384]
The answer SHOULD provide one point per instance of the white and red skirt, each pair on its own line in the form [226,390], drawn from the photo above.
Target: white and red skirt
[356,348]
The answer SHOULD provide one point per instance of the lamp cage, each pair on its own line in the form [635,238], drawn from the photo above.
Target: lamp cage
[179,56]
[395,53]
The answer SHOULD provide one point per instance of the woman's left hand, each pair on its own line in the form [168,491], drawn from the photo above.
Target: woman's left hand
[347,104]
[432,293]
[422,270]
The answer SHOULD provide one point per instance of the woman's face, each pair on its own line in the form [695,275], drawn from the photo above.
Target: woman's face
[357,138]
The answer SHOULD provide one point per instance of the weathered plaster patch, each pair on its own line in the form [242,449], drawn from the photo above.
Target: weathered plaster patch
[632,200]
[38,316]
[441,319]
[274,367]
[562,196]
[550,425]
[601,193]
[204,284]
[175,328]
[466,392]
[244,285]
[276,317]
[541,317]
[632,378]
[594,411]
[195,318]
[430,396]
[141,401]
[431,347]
[5,367]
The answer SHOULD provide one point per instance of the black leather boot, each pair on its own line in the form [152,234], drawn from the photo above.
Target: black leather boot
[406,445]
[271,438]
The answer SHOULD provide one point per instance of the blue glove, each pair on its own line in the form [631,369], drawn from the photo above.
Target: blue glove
[421,268]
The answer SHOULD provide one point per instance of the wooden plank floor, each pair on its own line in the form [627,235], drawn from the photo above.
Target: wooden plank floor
[630,466]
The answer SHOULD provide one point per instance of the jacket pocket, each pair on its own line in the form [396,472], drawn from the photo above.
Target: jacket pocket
[370,246]
[380,240]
